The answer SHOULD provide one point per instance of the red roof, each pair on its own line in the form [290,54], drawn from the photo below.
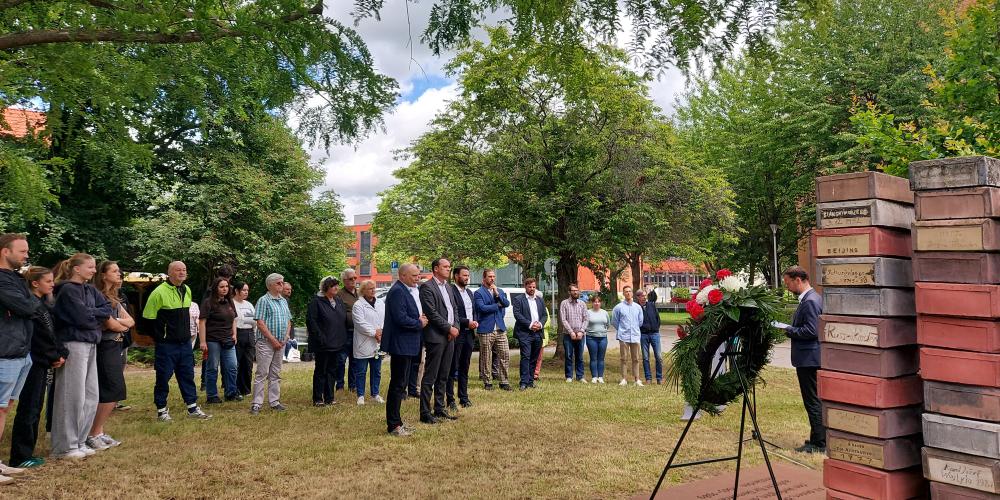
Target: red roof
[672,266]
[21,122]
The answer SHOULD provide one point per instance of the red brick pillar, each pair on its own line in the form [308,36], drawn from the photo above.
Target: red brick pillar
[868,382]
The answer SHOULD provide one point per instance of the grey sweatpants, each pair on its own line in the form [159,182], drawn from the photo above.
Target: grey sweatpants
[75,403]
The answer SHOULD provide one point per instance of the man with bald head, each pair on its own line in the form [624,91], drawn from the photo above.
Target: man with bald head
[169,307]
[404,323]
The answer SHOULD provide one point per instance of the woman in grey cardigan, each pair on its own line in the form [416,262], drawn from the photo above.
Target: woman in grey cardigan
[369,315]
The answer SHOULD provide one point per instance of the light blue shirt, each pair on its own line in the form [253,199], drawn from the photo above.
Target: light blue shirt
[627,318]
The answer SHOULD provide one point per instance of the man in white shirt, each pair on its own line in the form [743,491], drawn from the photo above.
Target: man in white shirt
[529,320]
[437,302]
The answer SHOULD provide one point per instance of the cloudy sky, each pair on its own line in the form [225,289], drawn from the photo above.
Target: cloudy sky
[358,172]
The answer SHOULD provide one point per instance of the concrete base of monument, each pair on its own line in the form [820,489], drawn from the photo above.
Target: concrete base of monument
[795,483]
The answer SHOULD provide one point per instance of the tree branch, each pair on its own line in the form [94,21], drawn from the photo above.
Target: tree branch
[42,37]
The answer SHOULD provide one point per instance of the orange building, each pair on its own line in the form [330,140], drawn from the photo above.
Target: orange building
[20,122]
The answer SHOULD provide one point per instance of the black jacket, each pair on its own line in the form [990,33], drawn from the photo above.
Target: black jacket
[650,318]
[80,312]
[45,347]
[17,306]
[326,324]
[433,304]
[464,317]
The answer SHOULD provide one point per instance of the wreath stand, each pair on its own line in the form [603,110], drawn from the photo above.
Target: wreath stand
[749,407]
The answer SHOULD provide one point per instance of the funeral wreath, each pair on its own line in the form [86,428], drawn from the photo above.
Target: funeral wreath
[726,313]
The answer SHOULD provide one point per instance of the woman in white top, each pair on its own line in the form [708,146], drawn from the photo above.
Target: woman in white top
[245,340]
[369,315]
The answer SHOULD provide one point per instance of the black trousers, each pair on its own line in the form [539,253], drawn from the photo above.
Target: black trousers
[28,414]
[531,348]
[325,375]
[460,368]
[246,347]
[412,384]
[399,372]
[437,366]
[810,399]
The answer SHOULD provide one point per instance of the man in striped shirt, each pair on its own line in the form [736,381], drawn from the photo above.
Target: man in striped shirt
[573,322]
[274,321]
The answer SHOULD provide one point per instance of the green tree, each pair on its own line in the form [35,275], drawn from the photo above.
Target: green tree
[774,123]
[546,148]
[960,115]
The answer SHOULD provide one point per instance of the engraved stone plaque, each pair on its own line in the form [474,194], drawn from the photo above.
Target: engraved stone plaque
[863,213]
[961,235]
[886,454]
[865,271]
[861,242]
[870,332]
[885,423]
[958,172]
[969,471]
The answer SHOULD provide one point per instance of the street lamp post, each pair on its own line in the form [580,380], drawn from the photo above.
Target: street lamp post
[774,240]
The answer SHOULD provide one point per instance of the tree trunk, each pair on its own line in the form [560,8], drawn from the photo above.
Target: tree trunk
[566,269]
[635,265]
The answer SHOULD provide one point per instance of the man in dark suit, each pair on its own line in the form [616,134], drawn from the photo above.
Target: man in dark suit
[529,319]
[467,320]
[438,302]
[805,352]
[404,323]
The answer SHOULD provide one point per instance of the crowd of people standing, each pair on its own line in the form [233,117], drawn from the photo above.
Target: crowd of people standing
[65,334]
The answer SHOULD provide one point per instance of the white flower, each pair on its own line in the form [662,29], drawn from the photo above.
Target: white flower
[733,284]
[702,297]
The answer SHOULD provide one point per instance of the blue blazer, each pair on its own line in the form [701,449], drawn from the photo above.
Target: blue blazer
[522,315]
[401,330]
[803,332]
[490,311]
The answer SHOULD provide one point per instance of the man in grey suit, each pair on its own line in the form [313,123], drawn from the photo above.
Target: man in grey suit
[529,319]
[437,299]
[805,352]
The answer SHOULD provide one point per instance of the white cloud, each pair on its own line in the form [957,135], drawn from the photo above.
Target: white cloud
[359,172]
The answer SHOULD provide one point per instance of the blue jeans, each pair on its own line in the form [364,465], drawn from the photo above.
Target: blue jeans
[360,367]
[346,361]
[174,359]
[227,357]
[574,356]
[645,341]
[596,347]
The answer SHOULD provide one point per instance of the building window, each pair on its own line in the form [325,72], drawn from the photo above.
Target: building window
[352,252]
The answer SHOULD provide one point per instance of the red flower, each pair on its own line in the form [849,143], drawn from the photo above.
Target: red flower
[714,297]
[723,273]
[681,333]
[705,282]
[695,309]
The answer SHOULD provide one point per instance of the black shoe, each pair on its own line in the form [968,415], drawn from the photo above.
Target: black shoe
[466,404]
[443,414]
[488,387]
[214,400]
[452,406]
[319,404]
[811,448]
[429,419]
[505,387]
[235,397]
[524,387]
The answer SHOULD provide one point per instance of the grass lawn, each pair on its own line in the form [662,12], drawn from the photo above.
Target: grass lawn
[559,441]
[674,318]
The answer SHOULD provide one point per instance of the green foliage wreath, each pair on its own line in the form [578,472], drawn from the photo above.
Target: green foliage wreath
[728,313]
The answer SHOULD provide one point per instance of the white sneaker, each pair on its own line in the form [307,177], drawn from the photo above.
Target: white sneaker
[110,441]
[8,470]
[583,380]
[87,451]
[361,400]
[638,383]
[379,400]
[569,380]
[5,479]
[623,383]
[72,455]
[601,379]
[594,380]
[164,416]
[96,443]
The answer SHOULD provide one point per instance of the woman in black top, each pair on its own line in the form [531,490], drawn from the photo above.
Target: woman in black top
[217,335]
[326,322]
[47,352]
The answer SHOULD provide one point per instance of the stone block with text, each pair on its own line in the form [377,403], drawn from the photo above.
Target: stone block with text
[868,383]
[956,266]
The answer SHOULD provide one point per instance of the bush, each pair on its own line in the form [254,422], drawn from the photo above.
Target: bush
[141,356]
[680,294]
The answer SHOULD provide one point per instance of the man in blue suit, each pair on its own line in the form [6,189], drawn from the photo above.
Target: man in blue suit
[494,350]
[404,323]
[805,352]
[529,319]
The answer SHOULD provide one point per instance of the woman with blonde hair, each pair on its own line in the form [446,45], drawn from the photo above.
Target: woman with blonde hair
[369,316]
[79,315]
[110,368]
